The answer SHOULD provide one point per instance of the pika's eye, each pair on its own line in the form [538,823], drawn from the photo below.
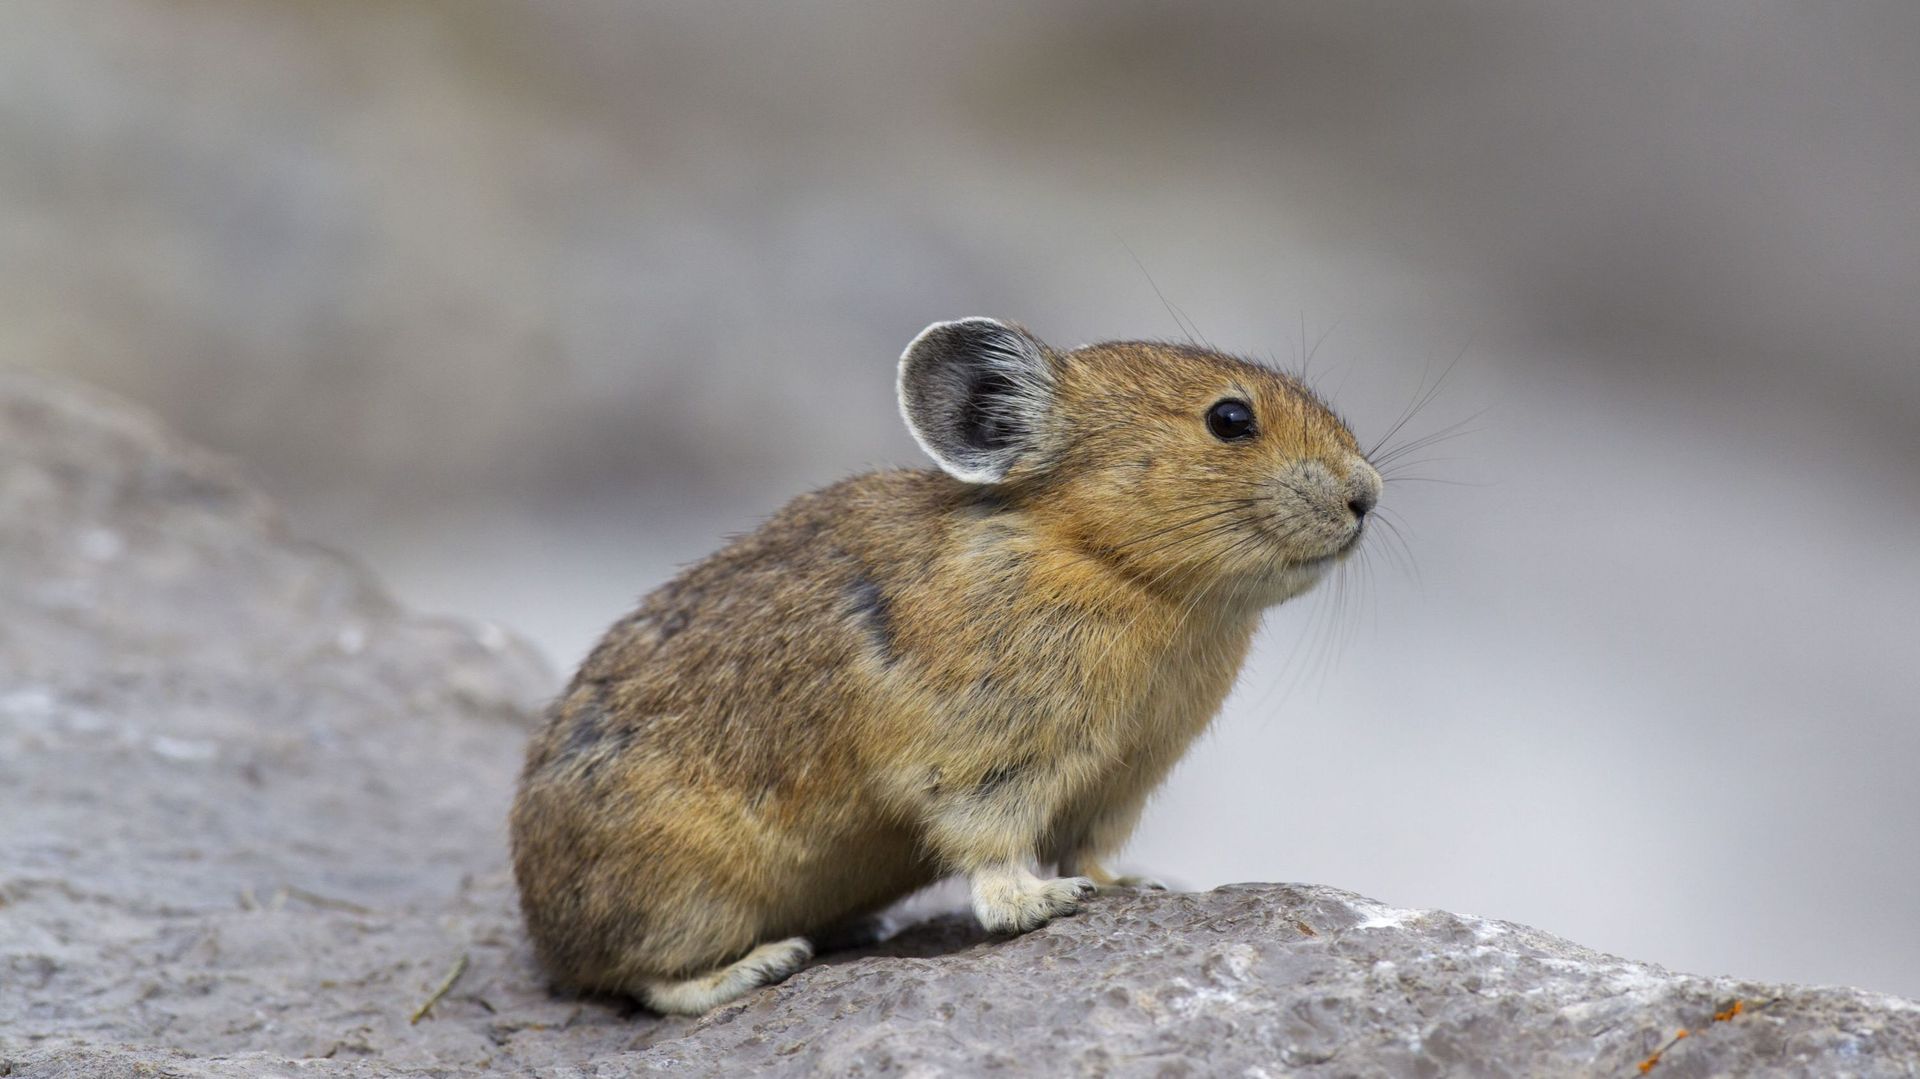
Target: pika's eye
[1230,420]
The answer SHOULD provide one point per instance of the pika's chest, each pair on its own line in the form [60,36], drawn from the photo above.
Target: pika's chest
[1179,693]
[1138,689]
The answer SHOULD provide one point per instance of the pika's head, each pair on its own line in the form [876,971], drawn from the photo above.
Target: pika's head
[1185,467]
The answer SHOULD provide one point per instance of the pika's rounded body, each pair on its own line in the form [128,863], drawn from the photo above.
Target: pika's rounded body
[910,674]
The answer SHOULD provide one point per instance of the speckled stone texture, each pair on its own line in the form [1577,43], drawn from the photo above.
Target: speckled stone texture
[251,814]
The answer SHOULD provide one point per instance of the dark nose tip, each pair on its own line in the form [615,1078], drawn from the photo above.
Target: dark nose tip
[1362,504]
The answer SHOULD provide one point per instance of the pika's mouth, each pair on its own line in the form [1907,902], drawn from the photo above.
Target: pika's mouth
[1318,561]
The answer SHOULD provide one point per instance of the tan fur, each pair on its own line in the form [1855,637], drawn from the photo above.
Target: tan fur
[904,676]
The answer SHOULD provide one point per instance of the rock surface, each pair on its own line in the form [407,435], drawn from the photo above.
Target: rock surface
[251,816]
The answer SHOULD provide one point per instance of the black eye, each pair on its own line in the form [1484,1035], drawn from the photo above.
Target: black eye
[1230,421]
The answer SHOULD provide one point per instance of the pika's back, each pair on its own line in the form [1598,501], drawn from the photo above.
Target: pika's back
[740,646]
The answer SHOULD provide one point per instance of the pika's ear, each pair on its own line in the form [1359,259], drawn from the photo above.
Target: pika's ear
[975,393]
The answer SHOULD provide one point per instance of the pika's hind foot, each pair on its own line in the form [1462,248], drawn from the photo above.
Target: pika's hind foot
[1012,900]
[765,965]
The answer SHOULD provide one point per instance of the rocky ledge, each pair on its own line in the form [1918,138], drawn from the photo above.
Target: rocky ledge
[253,825]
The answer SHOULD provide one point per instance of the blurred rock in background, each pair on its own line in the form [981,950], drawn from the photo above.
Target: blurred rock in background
[527,304]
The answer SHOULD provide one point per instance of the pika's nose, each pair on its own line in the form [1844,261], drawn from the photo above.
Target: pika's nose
[1363,490]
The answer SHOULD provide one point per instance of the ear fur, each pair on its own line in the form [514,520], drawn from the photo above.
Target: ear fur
[975,393]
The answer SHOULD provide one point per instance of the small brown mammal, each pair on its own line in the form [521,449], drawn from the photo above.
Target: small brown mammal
[912,673]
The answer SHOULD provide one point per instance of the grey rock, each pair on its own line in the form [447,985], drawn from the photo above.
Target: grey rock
[253,816]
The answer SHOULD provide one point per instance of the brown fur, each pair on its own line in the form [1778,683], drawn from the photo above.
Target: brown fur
[904,676]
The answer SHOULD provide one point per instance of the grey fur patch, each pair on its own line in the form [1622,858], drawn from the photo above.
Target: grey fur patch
[592,737]
[875,611]
[987,503]
[999,778]
[672,623]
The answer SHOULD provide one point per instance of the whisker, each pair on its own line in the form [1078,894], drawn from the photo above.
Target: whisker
[1185,328]
[1412,563]
[1401,466]
[1445,434]
[1391,516]
[1252,523]
[1301,660]
[1422,398]
[1227,506]
[1320,627]
[1321,340]
[1299,657]
[1434,479]
[1114,548]
[1208,505]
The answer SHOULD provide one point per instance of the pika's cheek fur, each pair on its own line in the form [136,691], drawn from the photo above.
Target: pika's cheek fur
[980,670]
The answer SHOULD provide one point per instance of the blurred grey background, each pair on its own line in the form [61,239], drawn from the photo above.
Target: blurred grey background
[528,304]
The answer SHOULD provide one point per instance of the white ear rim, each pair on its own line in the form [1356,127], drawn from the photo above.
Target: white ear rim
[990,472]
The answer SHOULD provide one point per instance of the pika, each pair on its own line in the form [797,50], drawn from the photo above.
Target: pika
[979,670]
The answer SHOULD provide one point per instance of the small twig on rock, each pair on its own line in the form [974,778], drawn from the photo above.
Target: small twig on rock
[325,902]
[459,968]
[1724,1015]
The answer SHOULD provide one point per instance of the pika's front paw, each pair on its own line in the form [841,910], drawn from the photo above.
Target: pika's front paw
[1014,905]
